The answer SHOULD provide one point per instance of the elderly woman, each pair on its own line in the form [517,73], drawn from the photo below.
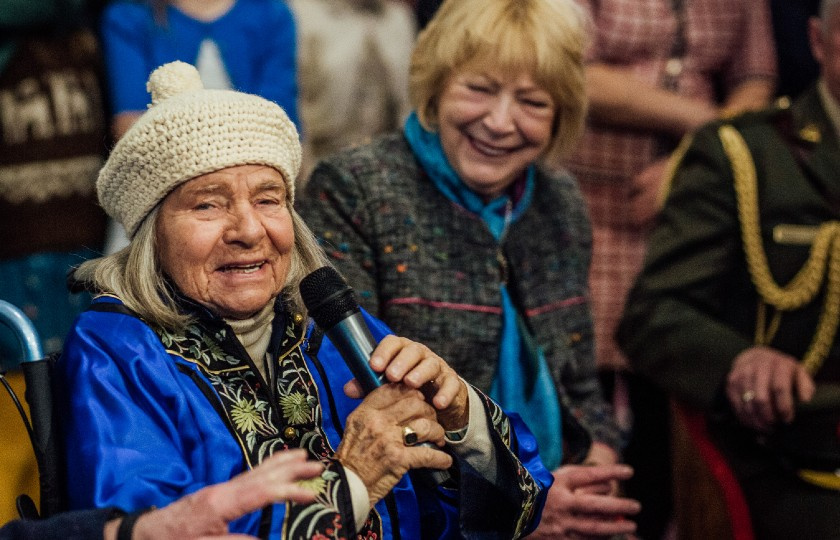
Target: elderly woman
[195,361]
[454,236]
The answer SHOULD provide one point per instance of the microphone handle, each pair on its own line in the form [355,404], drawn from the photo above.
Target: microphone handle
[352,337]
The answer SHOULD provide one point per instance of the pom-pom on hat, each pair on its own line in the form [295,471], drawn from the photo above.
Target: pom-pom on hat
[189,131]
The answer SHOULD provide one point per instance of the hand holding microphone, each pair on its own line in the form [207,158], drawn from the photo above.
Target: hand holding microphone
[390,413]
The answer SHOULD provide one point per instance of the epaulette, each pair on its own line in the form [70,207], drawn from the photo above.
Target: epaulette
[780,108]
[776,113]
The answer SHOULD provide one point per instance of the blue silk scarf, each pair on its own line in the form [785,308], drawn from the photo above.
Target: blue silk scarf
[523,383]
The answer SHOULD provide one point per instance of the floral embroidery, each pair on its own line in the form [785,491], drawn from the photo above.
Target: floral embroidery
[295,408]
[245,415]
[527,485]
[260,424]
[196,345]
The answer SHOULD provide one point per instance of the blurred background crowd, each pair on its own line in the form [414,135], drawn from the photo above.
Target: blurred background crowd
[72,81]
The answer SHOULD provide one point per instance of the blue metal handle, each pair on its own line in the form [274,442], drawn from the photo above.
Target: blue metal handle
[23,328]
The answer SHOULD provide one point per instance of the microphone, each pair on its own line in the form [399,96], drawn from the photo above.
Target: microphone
[332,304]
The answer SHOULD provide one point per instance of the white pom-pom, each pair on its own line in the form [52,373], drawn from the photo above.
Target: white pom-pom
[172,79]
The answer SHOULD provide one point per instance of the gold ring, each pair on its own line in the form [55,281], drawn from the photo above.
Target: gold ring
[748,396]
[409,436]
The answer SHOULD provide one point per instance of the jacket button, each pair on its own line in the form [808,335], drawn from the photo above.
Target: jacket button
[290,433]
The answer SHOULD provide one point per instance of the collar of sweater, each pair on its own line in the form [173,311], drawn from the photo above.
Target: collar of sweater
[254,333]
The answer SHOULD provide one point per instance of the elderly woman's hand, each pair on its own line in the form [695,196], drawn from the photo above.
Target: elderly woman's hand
[207,512]
[416,366]
[374,445]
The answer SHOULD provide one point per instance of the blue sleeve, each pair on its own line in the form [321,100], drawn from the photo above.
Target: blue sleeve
[525,448]
[136,432]
[124,417]
[276,60]
[126,31]
[139,428]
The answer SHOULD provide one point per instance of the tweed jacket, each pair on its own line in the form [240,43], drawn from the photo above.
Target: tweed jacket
[694,307]
[431,269]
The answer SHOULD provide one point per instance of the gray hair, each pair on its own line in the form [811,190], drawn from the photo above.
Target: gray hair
[135,274]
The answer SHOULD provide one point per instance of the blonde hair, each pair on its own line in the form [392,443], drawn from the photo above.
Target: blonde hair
[135,274]
[546,37]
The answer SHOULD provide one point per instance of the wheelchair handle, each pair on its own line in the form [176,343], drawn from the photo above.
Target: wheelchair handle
[23,328]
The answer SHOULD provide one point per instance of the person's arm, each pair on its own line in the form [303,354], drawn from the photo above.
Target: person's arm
[617,97]
[672,328]
[132,430]
[749,95]
[207,512]
[506,500]
[750,77]
[125,35]
[122,448]
[276,58]
[76,525]
[516,494]
[579,389]
[512,493]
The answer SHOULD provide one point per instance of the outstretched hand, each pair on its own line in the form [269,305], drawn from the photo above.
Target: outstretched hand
[207,512]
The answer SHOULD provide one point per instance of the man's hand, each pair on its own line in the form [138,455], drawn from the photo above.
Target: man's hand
[764,386]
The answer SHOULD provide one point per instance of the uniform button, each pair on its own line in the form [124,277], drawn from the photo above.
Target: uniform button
[290,433]
[575,337]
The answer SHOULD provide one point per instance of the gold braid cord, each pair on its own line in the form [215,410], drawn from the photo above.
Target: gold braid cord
[803,288]
[674,161]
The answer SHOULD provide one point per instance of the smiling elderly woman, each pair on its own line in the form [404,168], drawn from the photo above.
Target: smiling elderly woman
[196,360]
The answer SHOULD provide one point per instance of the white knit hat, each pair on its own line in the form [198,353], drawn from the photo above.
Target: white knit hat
[189,131]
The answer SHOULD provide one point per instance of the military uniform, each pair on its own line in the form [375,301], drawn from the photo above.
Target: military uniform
[695,307]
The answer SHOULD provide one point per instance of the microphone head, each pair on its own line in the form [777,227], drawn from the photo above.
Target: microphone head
[327,297]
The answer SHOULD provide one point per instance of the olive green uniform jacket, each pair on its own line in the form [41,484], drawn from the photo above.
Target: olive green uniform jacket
[693,308]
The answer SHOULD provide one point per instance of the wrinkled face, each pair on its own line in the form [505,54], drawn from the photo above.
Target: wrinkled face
[492,125]
[825,44]
[226,239]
